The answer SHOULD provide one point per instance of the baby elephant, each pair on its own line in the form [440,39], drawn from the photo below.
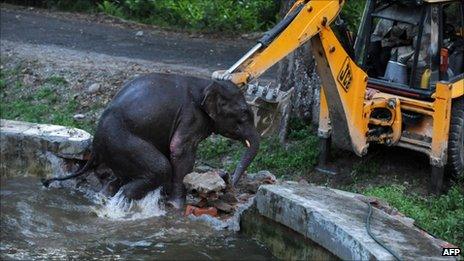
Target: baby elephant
[148,135]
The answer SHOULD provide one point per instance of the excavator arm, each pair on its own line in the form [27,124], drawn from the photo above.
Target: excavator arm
[304,20]
[344,83]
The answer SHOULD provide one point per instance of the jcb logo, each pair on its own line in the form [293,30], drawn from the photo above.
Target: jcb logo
[345,77]
[451,251]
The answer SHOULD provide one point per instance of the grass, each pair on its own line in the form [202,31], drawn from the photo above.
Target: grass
[442,216]
[42,104]
[295,159]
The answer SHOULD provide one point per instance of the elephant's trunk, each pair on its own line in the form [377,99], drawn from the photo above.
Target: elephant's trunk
[252,143]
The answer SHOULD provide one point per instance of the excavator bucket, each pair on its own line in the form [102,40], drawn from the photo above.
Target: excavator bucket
[270,107]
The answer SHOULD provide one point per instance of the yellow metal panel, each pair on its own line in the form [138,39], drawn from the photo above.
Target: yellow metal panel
[441,124]
[344,85]
[457,89]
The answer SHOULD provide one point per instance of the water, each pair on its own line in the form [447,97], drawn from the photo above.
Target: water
[38,223]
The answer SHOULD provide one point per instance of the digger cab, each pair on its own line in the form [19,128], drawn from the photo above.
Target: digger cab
[407,46]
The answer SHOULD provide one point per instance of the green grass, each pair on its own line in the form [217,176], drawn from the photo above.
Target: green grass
[43,104]
[56,80]
[199,15]
[442,216]
[297,158]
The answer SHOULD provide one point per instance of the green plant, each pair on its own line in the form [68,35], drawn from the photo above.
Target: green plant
[72,5]
[204,15]
[110,8]
[352,13]
[56,80]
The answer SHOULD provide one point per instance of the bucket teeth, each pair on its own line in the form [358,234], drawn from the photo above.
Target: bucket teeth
[267,92]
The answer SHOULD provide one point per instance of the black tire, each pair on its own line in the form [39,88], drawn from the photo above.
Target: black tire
[456,138]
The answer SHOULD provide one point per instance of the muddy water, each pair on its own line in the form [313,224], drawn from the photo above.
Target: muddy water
[39,223]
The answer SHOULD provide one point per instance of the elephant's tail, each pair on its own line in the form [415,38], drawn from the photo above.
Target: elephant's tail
[88,165]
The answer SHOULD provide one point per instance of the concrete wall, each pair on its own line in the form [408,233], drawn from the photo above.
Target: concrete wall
[335,220]
[40,149]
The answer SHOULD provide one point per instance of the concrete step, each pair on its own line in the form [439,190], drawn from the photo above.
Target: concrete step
[337,221]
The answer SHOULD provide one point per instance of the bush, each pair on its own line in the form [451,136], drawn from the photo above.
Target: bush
[204,15]
[352,13]
[72,5]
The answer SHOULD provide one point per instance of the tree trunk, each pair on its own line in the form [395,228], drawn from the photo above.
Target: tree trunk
[297,70]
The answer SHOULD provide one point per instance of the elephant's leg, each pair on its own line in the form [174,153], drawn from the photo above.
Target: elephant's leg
[143,167]
[182,162]
[112,187]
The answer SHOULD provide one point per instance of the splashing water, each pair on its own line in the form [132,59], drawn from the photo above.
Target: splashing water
[120,208]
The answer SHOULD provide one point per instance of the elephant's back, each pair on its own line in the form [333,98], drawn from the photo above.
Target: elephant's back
[149,105]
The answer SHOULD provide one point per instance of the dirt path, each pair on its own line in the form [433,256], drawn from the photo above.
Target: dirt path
[91,34]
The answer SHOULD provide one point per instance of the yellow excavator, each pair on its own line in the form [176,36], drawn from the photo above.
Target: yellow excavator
[398,82]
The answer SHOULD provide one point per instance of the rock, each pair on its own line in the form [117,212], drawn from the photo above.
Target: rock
[28,80]
[253,181]
[223,206]
[204,183]
[264,176]
[252,186]
[229,197]
[40,149]
[244,197]
[209,196]
[139,33]
[78,117]
[203,168]
[211,211]
[94,88]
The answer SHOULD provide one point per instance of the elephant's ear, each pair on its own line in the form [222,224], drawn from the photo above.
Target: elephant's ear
[210,101]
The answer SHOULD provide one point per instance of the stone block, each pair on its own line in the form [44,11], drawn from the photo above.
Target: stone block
[336,221]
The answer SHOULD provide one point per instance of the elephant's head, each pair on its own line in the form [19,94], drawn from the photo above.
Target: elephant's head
[232,117]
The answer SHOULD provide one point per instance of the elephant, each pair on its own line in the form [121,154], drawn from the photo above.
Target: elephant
[149,133]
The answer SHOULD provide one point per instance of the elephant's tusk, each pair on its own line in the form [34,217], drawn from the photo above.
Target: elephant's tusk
[247,143]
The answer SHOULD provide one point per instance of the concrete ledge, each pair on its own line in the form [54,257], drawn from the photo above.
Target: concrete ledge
[337,222]
[39,149]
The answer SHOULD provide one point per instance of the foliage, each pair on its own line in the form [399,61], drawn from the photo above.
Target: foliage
[352,13]
[204,15]
[72,5]
[110,8]
[42,105]
[442,216]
